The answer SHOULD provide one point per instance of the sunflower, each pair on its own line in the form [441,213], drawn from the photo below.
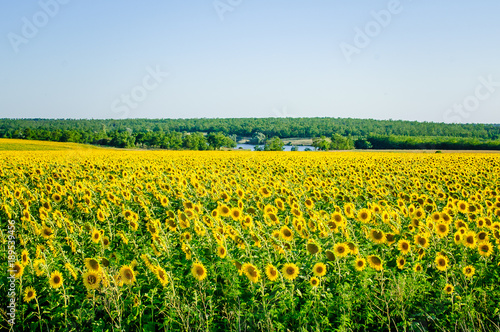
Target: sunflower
[95,235]
[290,271]
[314,282]
[418,268]
[309,204]
[101,216]
[38,264]
[56,279]
[319,269]
[163,201]
[236,214]
[422,240]
[401,262]
[404,246]
[390,238]
[364,215]
[462,206]
[17,270]
[199,271]
[377,236]
[330,255]
[360,264]
[375,262]
[133,225]
[29,294]
[469,271]
[105,242]
[441,262]
[251,272]
[91,279]
[313,248]
[485,248]
[286,233]
[457,237]
[469,239]
[47,232]
[448,289]
[152,227]
[162,276]
[341,249]
[25,257]
[221,251]
[224,210]
[271,272]
[273,217]
[92,264]
[127,275]
[442,229]
[482,236]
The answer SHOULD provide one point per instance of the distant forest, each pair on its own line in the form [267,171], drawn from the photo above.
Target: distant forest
[203,134]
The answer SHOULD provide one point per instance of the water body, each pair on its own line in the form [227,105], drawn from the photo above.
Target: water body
[287,147]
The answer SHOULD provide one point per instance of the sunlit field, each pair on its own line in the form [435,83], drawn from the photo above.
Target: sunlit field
[252,241]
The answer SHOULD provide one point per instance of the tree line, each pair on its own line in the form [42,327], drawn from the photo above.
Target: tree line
[209,134]
[270,127]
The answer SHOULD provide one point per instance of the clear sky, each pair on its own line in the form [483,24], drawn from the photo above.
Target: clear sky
[411,59]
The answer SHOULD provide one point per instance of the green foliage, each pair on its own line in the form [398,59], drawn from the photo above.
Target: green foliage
[341,143]
[362,144]
[274,144]
[432,142]
[167,133]
[321,143]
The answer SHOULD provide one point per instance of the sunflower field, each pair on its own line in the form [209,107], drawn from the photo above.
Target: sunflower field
[110,240]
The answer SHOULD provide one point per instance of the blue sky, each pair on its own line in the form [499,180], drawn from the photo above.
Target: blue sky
[409,59]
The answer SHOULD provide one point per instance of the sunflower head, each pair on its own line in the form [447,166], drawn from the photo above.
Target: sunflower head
[17,269]
[314,282]
[448,289]
[375,262]
[162,276]
[312,248]
[319,269]
[271,272]
[359,264]
[290,271]
[441,262]
[95,235]
[29,294]
[251,272]
[341,249]
[404,246]
[92,264]
[221,251]
[469,271]
[401,262]
[56,279]
[127,275]
[485,248]
[199,271]
[91,279]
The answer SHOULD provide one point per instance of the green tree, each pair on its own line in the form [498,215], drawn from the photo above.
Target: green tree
[341,143]
[321,143]
[362,144]
[274,144]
